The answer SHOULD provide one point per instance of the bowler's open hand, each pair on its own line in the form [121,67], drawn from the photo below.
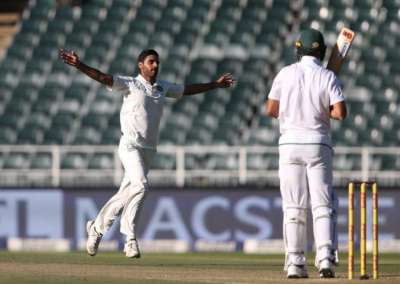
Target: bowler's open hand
[225,81]
[69,57]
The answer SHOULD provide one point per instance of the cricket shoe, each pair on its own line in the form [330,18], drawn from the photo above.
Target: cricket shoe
[131,249]
[93,240]
[296,271]
[326,269]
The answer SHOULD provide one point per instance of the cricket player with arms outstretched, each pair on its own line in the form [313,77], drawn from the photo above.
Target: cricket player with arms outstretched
[304,97]
[143,100]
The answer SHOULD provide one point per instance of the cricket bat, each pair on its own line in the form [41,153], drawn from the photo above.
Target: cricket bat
[340,50]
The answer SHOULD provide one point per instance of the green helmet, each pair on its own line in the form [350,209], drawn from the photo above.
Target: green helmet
[311,42]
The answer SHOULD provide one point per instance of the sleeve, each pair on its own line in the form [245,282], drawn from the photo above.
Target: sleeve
[174,90]
[276,89]
[120,84]
[335,90]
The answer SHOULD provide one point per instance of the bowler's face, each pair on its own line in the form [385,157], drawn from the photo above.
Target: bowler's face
[149,67]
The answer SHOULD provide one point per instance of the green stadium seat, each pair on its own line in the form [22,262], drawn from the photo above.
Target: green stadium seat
[11,119]
[172,136]
[149,13]
[44,4]
[18,107]
[120,66]
[17,160]
[87,135]
[20,52]
[226,135]
[63,120]
[53,40]
[82,38]
[263,162]
[198,135]
[95,120]
[38,120]
[185,106]
[102,161]
[59,27]
[46,107]
[41,161]
[205,120]
[30,135]
[114,120]
[86,25]
[100,3]
[78,93]
[111,136]
[65,12]
[93,13]
[25,92]
[37,26]
[219,38]
[126,4]
[74,161]
[37,67]
[8,135]
[26,39]
[163,162]
[45,53]
[223,162]
[51,92]
[264,136]
[59,67]
[56,135]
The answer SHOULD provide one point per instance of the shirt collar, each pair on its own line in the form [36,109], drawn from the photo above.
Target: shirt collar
[145,82]
[309,60]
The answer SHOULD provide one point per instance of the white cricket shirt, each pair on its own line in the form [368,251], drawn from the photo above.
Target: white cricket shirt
[305,91]
[142,108]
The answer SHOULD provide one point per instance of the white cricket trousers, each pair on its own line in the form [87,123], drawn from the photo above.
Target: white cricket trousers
[128,201]
[305,172]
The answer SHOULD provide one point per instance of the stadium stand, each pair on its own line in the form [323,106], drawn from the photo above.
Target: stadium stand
[45,102]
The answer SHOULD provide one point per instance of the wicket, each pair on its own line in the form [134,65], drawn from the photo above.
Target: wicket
[363,229]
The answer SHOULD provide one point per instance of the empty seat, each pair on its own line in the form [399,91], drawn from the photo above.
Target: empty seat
[87,135]
[17,160]
[7,135]
[63,119]
[11,120]
[41,161]
[74,161]
[172,136]
[102,161]
[57,136]
[111,136]
[30,135]
[163,162]
[199,135]
[223,162]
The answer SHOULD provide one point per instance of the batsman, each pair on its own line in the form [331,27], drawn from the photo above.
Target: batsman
[304,97]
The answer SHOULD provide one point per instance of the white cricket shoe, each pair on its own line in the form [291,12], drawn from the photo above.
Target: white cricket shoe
[326,269]
[131,249]
[296,271]
[93,239]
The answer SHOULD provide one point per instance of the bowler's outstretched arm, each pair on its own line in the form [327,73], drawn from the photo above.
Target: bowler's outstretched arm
[71,58]
[225,81]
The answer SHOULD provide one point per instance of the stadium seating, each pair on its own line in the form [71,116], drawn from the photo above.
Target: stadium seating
[43,101]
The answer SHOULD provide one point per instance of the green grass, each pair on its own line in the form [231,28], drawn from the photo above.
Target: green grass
[77,267]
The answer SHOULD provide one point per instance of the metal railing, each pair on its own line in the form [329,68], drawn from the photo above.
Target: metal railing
[240,170]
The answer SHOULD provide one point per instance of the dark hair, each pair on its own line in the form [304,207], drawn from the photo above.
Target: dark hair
[146,52]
